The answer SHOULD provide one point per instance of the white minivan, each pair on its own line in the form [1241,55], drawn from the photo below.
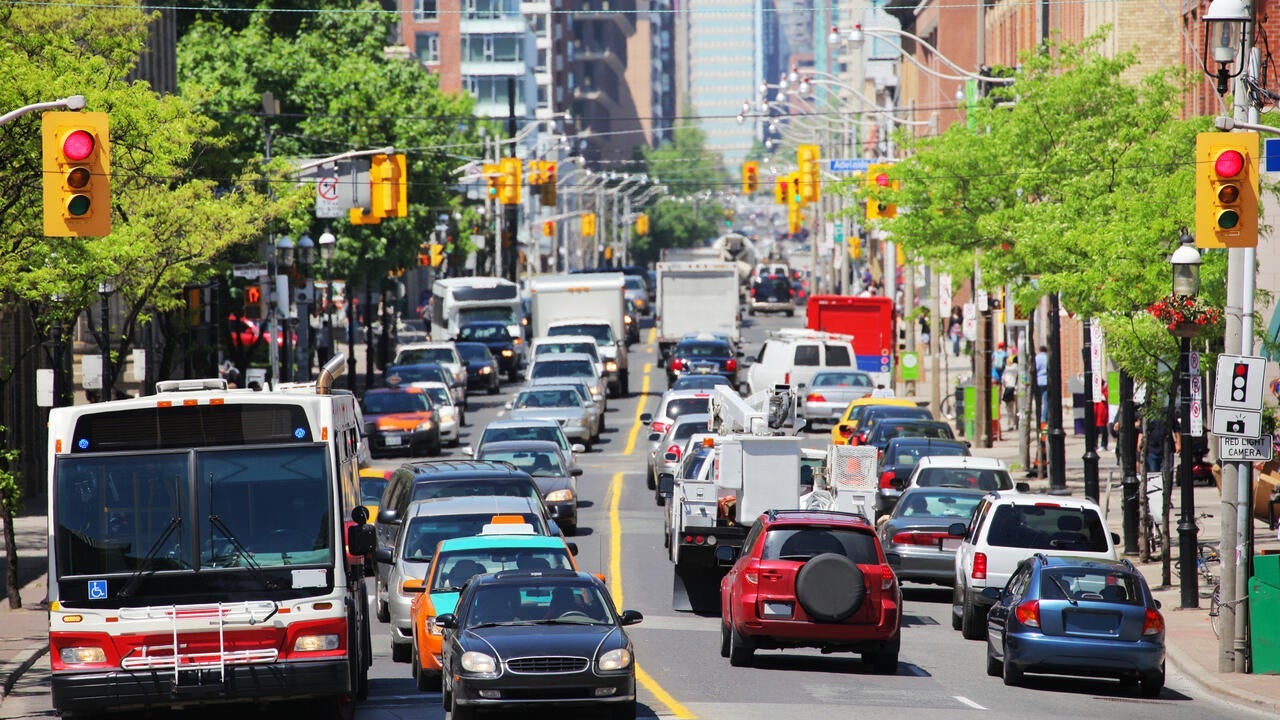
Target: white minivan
[793,357]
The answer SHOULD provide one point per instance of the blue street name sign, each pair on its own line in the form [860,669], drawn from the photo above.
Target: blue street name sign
[848,165]
[1271,155]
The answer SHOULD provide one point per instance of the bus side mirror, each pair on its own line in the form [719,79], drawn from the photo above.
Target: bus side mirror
[361,539]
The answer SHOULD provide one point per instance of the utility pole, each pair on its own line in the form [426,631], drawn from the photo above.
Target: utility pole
[1090,456]
[1057,438]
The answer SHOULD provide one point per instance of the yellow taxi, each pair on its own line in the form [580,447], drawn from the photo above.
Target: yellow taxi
[372,482]
[847,425]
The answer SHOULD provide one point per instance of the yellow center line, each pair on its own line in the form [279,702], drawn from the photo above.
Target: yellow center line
[615,559]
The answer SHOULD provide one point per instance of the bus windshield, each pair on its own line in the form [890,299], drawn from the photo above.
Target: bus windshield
[248,507]
[501,313]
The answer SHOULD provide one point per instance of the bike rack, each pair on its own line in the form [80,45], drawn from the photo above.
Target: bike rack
[221,615]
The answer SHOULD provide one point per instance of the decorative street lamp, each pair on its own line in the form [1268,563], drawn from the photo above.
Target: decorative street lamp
[1226,23]
[1185,264]
[284,258]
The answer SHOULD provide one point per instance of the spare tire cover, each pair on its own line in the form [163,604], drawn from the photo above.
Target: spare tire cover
[830,587]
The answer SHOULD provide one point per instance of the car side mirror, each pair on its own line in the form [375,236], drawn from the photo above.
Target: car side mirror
[360,514]
[646,418]
[1022,487]
[726,555]
[361,539]
[578,447]
[666,484]
[469,451]
[1115,538]
[416,585]
[957,530]
[655,437]
[573,548]
[628,617]
[992,593]
[448,621]
[383,555]
[508,405]
[575,472]
[1159,605]
[386,516]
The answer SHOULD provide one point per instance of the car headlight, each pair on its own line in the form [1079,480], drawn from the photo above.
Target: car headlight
[486,370]
[619,659]
[478,662]
[425,426]
[595,392]
[584,421]
[508,353]
[610,366]
[565,495]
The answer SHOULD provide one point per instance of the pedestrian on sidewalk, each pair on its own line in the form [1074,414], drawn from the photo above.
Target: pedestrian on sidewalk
[955,329]
[925,335]
[1042,381]
[1101,416]
[1009,391]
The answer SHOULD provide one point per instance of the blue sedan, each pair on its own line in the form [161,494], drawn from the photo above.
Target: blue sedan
[1076,616]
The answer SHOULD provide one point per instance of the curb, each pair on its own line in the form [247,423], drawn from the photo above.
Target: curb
[27,659]
[1193,672]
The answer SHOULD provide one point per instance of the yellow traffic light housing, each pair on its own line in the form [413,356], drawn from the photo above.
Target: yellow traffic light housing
[780,190]
[794,197]
[795,218]
[807,157]
[510,181]
[76,151]
[1227,189]
[588,225]
[389,186]
[642,224]
[549,228]
[492,178]
[877,178]
[547,194]
[750,177]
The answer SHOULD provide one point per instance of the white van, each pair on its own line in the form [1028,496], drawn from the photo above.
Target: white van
[793,357]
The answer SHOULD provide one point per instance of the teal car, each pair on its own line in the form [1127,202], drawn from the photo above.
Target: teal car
[457,560]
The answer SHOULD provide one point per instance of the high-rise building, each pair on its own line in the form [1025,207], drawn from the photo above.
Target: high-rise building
[610,78]
[725,69]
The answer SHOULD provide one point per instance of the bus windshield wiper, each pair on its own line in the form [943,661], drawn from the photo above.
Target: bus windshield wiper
[148,565]
[249,562]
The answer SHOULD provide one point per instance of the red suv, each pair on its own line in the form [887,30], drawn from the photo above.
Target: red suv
[808,578]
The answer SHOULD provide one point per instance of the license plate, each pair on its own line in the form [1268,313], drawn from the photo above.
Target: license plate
[777,609]
[392,440]
[949,543]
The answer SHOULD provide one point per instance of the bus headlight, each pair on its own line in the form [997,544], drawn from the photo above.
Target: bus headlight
[565,495]
[477,662]
[82,655]
[615,660]
[610,366]
[315,643]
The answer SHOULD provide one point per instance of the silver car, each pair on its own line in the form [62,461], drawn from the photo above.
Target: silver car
[556,477]
[452,417]
[915,536]
[570,365]
[668,447]
[427,522]
[562,404]
[830,392]
[583,387]
[526,429]
[672,405]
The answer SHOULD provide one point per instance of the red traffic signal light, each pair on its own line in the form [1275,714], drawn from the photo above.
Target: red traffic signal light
[76,164]
[1227,189]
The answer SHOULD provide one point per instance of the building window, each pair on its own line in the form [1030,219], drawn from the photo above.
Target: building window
[492,48]
[493,89]
[424,10]
[427,46]
[490,9]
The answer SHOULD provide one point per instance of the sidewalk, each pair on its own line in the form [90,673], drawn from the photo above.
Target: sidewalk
[24,633]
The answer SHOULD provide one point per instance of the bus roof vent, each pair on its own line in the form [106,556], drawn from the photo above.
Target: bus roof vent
[193,385]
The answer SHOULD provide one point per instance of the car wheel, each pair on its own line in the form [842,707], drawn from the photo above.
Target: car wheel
[446,693]
[400,653]
[623,711]
[995,668]
[973,626]
[830,587]
[427,681]
[751,312]
[885,661]
[1012,673]
[1152,683]
[586,445]
[791,313]
[956,593]
[658,499]
[724,639]
[740,651]
[651,481]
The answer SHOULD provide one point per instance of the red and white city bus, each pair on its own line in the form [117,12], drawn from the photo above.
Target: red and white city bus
[207,546]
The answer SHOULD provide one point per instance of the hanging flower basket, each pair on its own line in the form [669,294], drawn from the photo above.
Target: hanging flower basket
[1185,316]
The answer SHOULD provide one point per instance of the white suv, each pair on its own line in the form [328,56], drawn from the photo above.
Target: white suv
[443,354]
[793,357]
[1008,527]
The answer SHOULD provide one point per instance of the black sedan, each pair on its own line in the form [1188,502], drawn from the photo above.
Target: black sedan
[702,356]
[524,638]
[899,460]
[482,367]
[497,338]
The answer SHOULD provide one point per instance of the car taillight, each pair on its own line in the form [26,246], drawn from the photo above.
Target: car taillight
[886,480]
[675,450]
[979,566]
[1153,623]
[815,397]
[918,537]
[677,364]
[786,379]
[730,364]
[862,438]
[659,427]
[752,573]
[1028,613]
[846,432]
[887,578]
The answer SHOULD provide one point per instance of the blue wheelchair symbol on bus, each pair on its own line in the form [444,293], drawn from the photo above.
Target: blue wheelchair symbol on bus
[97,589]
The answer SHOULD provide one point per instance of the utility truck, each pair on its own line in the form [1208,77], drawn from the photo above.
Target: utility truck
[695,297]
[586,304]
[458,301]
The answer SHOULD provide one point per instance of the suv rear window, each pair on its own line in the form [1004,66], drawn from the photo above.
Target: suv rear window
[1044,527]
[802,543]
[838,356]
[965,478]
[807,355]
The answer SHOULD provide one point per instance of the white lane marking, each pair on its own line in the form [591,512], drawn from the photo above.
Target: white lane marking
[968,702]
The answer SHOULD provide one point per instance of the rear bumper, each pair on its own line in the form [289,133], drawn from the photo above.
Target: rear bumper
[762,306]
[121,690]
[822,411]
[785,633]
[1083,656]
[923,566]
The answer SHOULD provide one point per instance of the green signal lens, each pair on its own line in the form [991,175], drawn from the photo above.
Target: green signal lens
[78,205]
[1228,219]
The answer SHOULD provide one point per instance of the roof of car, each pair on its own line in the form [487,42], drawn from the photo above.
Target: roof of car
[688,418]
[565,339]
[520,422]
[961,461]
[1092,563]
[424,345]
[890,402]
[1012,497]
[454,469]
[484,542]
[817,517]
[395,390]
[564,357]
[515,445]
[681,394]
[471,504]
[520,576]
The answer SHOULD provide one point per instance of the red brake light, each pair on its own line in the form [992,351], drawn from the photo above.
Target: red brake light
[862,437]
[979,566]
[752,573]
[677,364]
[815,397]
[918,537]
[887,578]
[659,426]
[786,379]
[730,364]
[1153,623]
[1028,613]
[886,480]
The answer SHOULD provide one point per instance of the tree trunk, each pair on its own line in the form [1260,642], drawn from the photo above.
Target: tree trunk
[11,557]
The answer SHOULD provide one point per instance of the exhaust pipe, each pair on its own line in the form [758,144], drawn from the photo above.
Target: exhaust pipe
[331,370]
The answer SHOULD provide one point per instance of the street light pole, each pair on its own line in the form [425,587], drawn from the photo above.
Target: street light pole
[1057,437]
[1090,456]
[105,289]
[1185,263]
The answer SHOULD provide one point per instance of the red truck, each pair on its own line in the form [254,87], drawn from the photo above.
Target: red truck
[871,322]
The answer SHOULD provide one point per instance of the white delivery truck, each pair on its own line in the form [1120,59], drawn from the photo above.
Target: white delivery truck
[585,304]
[458,301]
[695,297]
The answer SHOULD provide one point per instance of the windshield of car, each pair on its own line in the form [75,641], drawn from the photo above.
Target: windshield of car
[538,601]
[425,355]
[394,402]
[1114,586]
[484,333]
[635,282]
[909,453]
[538,463]
[843,379]
[547,399]
[981,479]
[399,374]
[501,314]
[560,348]
[1046,527]
[803,543]
[474,352]
[932,503]
[563,368]
[439,396]
[425,532]
[602,332]
[693,462]
[702,349]
[454,568]
[699,382]
[515,486]
[532,432]
[371,489]
[683,406]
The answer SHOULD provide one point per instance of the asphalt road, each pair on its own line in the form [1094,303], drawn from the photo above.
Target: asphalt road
[680,670]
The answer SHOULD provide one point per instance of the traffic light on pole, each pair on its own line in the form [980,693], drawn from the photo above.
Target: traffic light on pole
[794,198]
[795,218]
[750,177]
[642,224]
[492,178]
[535,173]
[548,193]
[780,190]
[389,196]
[1226,189]
[510,181]
[877,178]
[76,150]
[810,172]
[549,228]
[588,225]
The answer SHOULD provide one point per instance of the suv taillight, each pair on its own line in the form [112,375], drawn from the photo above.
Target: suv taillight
[861,439]
[751,573]
[674,449]
[1153,623]
[730,364]
[979,566]
[887,578]
[886,480]
[1028,613]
